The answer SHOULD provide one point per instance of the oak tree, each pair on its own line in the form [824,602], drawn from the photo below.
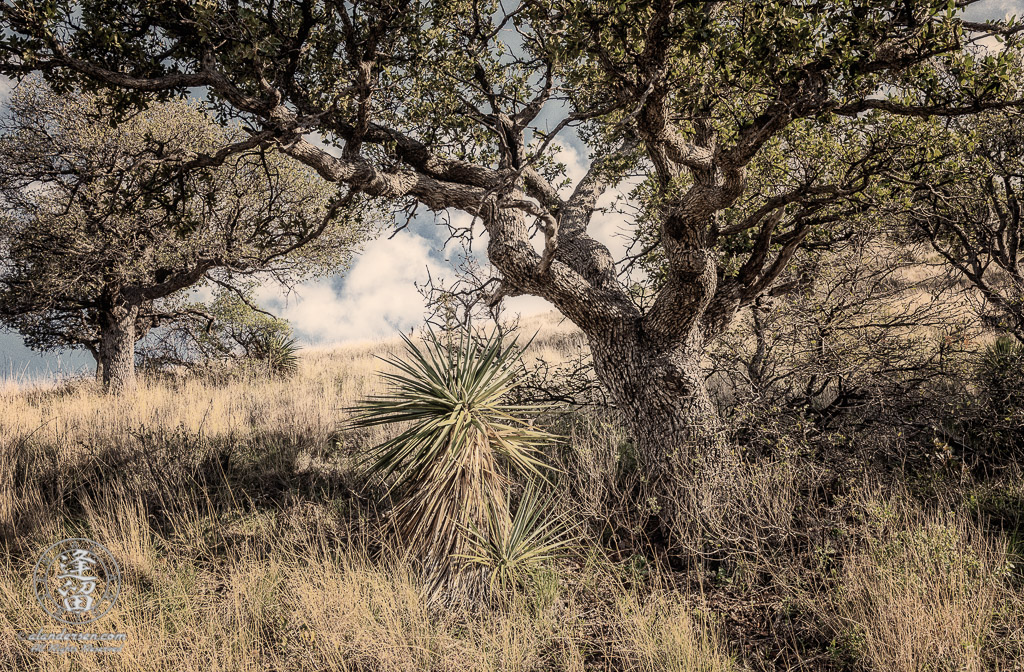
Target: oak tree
[458,105]
[102,223]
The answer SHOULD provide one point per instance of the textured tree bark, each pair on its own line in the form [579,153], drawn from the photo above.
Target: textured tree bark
[677,437]
[117,347]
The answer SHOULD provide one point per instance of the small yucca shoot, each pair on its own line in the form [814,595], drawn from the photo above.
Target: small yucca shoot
[1000,373]
[512,553]
[459,439]
[279,353]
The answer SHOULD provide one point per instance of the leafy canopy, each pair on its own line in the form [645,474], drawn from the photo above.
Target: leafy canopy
[96,214]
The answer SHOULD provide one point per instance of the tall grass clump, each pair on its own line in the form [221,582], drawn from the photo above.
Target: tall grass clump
[925,592]
[459,443]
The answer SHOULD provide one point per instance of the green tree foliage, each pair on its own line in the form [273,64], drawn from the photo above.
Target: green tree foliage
[228,329]
[102,222]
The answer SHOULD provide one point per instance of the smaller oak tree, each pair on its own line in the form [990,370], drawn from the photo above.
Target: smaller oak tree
[963,198]
[229,328]
[103,222]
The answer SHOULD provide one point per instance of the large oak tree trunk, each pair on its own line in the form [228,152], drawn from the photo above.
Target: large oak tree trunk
[649,363]
[117,347]
[680,449]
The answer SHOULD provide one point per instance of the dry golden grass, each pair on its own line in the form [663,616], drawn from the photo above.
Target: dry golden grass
[307,405]
[927,591]
[246,542]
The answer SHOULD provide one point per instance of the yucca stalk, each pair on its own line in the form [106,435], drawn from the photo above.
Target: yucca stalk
[460,440]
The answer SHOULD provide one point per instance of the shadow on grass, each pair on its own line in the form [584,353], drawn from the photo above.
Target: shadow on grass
[169,471]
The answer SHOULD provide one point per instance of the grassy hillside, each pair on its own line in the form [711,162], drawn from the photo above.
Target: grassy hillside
[248,540]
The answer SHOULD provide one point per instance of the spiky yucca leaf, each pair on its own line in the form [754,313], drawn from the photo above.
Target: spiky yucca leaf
[511,553]
[279,352]
[1000,373]
[460,438]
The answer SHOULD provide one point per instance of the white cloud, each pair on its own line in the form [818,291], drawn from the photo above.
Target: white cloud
[575,164]
[615,229]
[994,9]
[527,305]
[377,296]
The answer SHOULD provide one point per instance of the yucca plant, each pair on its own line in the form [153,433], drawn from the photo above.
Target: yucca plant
[1000,373]
[278,352]
[996,424]
[460,440]
[512,553]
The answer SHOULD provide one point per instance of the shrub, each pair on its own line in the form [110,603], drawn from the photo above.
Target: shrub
[277,352]
[513,553]
[986,422]
[1000,377]
[924,593]
[228,333]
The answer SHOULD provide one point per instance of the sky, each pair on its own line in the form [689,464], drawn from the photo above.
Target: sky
[378,297]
